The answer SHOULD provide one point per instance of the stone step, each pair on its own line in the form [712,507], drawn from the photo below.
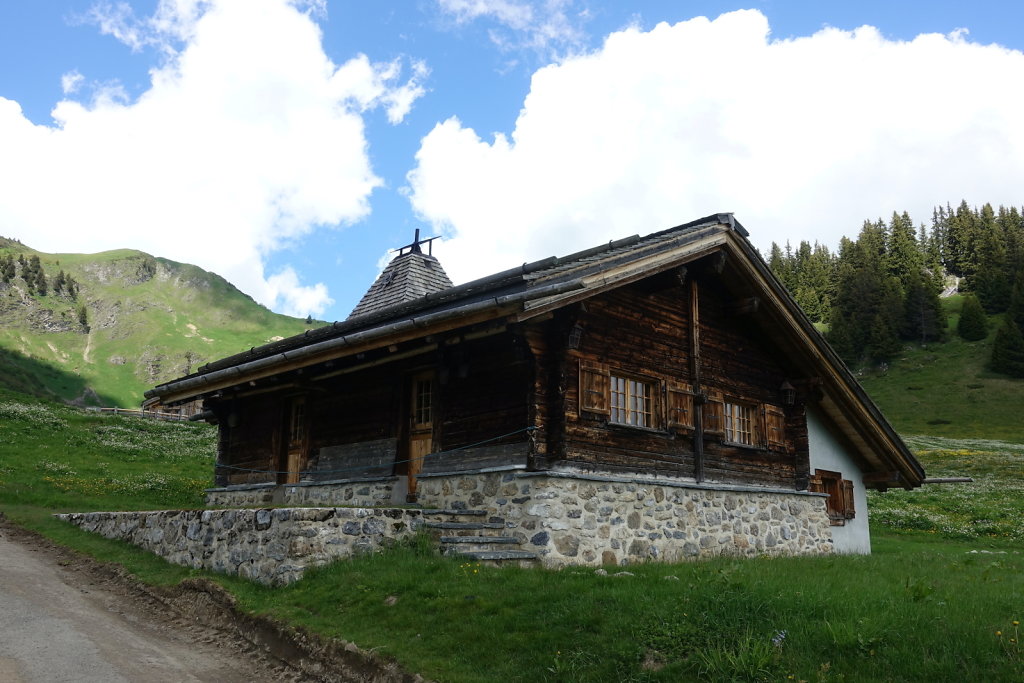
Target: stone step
[479,539]
[463,525]
[496,554]
[473,513]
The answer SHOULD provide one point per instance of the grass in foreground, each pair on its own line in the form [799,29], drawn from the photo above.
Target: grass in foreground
[918,609]
[930,605]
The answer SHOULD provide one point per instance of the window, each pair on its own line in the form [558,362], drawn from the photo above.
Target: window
[625,400]
[840,501]
[422,402]
[631,402]
[739,423]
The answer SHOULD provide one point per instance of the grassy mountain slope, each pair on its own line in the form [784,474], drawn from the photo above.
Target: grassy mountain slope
[148,320]
[946,389]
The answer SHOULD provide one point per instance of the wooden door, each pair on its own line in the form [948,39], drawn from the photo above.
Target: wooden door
[298,432]
[421,425]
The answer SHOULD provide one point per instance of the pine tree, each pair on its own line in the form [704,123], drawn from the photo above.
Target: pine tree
[960,235]
[1008,349]
[58,282]
[990,280]
[973,325]
[83,317]
[923,319]
[903,258]
[41,286]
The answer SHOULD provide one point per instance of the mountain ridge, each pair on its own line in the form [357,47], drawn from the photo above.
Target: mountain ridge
[104,327]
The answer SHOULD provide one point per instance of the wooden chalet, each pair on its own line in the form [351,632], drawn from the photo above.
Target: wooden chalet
[675,362]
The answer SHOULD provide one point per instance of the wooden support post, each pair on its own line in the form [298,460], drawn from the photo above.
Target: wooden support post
[698,406]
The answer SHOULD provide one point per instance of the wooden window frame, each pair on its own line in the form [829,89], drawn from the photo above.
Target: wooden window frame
[741,423]
[629,413]
[840,503]
[595,395]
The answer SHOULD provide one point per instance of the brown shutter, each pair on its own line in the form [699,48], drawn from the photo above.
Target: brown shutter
[714,413]
[774,427]
[680,407]
[849,512]
[594,388]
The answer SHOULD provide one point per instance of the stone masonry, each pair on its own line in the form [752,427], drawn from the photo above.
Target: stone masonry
[573,518]
[566,518]
[271,546]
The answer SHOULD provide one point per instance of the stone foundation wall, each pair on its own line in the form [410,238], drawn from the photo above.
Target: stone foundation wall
[566,518]
[270,546]
[365,493]
[574,518]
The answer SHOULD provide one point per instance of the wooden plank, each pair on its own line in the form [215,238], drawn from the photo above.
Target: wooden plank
[354,460]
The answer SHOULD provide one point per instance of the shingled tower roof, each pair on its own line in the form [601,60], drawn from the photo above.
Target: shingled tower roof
[410,275]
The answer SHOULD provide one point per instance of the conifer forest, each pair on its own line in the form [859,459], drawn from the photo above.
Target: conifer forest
[882,290]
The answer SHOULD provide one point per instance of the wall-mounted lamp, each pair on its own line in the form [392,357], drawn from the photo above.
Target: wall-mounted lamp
[788,393]
[575,334]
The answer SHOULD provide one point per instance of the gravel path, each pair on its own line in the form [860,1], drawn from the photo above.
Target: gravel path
[66,618]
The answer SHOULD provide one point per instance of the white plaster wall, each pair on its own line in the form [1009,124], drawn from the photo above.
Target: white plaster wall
[827,453]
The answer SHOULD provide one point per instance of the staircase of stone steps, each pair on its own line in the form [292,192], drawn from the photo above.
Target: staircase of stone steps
[464,533]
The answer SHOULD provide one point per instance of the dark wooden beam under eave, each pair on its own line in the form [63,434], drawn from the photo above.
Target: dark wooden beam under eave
[746,306]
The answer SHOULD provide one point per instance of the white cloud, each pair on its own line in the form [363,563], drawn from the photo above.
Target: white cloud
[296,299]
[248,138]
[547,26]
[71,82]
[801,138]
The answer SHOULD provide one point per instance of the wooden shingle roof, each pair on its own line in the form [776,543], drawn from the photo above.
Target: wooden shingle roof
[408,277]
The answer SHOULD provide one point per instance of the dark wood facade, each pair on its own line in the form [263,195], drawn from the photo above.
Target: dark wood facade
[675,355]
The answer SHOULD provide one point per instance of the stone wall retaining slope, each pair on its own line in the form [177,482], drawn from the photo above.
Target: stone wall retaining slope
[564,518]
[270,546]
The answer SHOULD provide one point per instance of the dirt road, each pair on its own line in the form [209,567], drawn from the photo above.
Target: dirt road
[65,618]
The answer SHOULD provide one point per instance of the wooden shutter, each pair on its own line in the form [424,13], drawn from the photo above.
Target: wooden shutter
[714,413]
[680,407]
[594,388]
[849,512]
[774,427]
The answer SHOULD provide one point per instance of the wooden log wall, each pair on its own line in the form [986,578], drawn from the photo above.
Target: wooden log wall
[484,393]
[358,420]
[738,362]
[250,430]
[641,333]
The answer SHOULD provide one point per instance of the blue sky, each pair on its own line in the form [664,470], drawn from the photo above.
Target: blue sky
[289,145]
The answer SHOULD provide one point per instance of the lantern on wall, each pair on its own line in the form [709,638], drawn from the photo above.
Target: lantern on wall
[575,334]
[788,393]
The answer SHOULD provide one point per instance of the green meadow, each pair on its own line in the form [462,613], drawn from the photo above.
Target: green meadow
[940,599]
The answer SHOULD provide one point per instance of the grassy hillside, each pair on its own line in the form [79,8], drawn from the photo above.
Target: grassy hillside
[941,598]
[147,320]
[946,390]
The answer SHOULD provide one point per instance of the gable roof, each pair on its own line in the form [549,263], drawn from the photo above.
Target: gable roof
[535,289]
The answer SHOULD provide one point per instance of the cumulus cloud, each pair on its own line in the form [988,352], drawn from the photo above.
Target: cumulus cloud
[801,138]
[247,138]
[548,26]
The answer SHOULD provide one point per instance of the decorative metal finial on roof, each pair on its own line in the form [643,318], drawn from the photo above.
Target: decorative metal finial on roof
[414,248]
